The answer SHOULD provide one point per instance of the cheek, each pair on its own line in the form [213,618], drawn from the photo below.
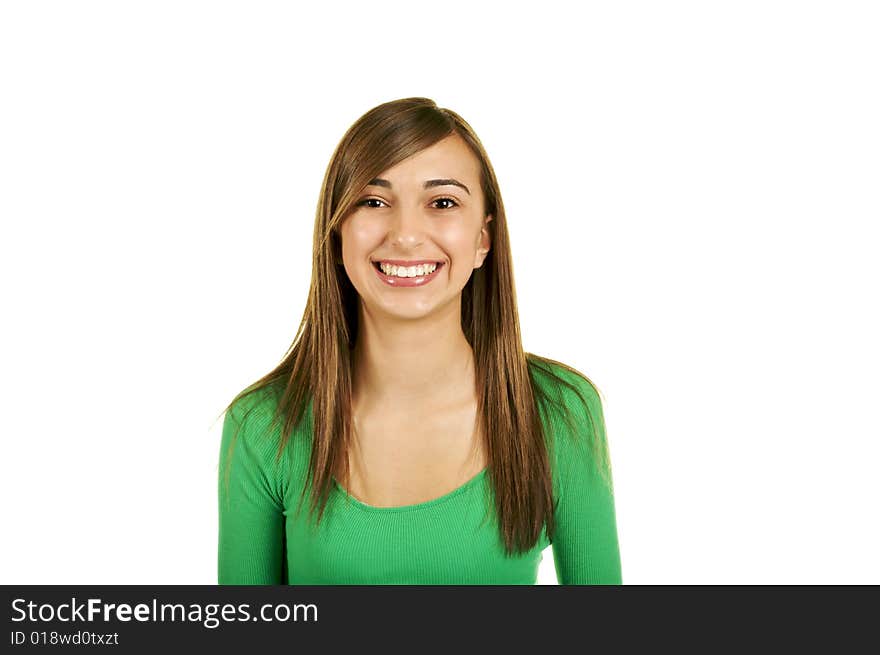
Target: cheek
[462,248]
[357,239]
[459,236]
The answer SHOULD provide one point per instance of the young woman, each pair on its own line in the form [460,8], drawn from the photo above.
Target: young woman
[431,448]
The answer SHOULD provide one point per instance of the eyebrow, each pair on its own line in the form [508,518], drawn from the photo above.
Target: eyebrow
[427,185]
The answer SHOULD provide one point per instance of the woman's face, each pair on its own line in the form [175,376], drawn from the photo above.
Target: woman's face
[413,212]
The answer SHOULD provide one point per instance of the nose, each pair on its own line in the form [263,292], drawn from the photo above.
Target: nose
[406,228]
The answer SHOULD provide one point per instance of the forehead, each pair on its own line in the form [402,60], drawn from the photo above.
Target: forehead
[449,157]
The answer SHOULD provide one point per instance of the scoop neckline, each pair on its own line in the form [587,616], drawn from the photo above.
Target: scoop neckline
[415,506]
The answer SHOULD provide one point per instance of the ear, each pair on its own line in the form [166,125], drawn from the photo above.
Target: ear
[485,243]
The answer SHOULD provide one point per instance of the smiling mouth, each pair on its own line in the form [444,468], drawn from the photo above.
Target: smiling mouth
[378,268]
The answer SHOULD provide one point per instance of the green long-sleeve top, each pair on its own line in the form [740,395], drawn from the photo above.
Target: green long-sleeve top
[263,539]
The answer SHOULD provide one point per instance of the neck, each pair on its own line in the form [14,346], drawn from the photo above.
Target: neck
[411,362]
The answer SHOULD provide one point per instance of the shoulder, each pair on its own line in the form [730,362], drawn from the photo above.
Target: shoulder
[252,472]
[570,405]
[250,407]
[251,427]
[564,386]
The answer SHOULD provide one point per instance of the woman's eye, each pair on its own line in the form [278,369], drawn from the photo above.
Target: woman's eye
[454,204]
[366,200]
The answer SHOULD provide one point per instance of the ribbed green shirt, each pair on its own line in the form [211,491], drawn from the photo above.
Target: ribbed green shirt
[451,540]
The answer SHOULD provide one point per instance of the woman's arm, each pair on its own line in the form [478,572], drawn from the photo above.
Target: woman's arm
[585,546]
[251,519]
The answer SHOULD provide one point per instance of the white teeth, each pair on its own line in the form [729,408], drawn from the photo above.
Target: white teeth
[407,271]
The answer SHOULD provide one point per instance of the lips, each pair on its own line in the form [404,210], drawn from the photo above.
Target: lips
[421,280]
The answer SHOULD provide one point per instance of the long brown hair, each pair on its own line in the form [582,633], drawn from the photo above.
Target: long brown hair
[316,370]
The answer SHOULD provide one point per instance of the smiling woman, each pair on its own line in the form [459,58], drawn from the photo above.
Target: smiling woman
[431,447]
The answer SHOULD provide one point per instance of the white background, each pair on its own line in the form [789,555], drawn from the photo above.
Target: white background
[692,196]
